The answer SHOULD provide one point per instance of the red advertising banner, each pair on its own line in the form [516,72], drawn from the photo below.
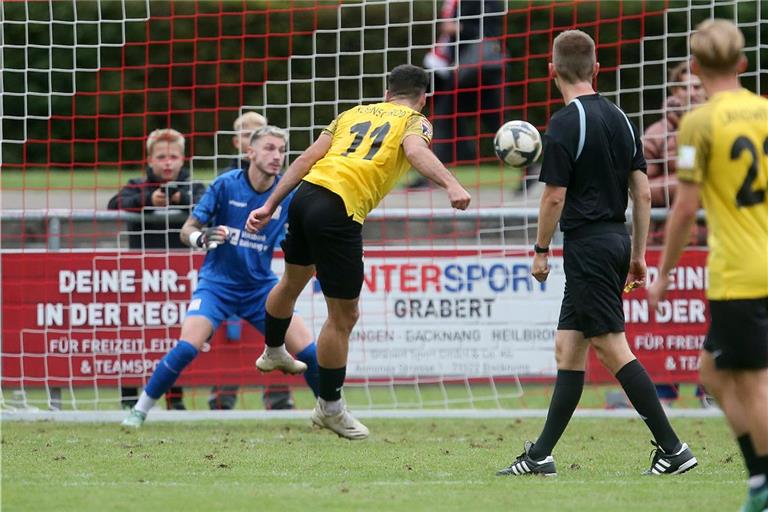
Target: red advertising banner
[667,341]
[107,318]
[72,318]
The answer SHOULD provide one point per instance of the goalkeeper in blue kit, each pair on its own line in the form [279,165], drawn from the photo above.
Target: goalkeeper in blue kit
[236,276]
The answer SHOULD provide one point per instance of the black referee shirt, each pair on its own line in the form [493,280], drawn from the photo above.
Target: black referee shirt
[591,147]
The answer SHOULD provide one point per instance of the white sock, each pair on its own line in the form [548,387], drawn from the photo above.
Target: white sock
[145,403]
[757,481]
[331,407]
[277,352]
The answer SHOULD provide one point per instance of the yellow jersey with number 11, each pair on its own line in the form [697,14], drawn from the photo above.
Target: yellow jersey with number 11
[723,146]
[366,157]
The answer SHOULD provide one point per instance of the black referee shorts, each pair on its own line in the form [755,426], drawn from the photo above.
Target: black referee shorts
[738,334]
[321,233]
[596,262]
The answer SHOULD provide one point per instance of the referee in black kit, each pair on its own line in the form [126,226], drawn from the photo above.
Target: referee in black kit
[593,156]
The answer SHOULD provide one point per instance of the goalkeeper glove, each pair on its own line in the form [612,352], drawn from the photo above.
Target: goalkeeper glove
[209,238]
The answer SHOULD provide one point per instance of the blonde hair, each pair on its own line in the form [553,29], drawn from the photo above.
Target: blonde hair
[717,45]
[249,119]
[168,135]
[269,130]
[573,56]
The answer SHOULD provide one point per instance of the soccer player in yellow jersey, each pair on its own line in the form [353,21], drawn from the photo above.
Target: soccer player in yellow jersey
[723,159]
[344,174]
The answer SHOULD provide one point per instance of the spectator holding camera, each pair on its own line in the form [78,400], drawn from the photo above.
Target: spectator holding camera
[165,185]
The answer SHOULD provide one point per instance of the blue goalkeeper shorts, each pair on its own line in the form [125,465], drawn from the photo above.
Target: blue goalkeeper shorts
[217,303]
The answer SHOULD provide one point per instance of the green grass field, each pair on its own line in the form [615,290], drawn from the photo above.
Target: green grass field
[406,465]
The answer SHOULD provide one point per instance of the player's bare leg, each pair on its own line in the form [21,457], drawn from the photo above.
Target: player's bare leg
[753,387]
[612,351]
[753,392]
[279,317]
[743,398]
[722,385]
[332,349]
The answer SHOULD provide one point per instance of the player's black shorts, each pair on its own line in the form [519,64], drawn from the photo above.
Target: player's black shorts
[321,233]
[596,262]
[738,334]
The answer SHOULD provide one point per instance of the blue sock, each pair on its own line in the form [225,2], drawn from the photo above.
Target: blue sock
[169,369]
[308,356]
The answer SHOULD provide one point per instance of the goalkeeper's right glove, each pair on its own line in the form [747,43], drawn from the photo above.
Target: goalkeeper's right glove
[209,238]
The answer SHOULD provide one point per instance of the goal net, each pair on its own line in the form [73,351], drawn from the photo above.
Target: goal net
[450,315]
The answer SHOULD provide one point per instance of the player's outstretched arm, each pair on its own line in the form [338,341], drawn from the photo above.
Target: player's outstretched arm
[640,192]
[676,236]
[428,165]
[292,177]
[196,236]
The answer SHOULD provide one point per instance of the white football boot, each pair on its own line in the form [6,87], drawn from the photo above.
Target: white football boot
[281,360]
[342,423]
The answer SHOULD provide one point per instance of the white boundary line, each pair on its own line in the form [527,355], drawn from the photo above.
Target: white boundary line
[116,416]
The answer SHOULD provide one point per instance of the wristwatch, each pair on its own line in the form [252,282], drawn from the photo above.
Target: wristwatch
[540,250]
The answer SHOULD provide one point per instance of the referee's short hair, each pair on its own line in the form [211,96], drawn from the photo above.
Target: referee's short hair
[269,130]
[717,45]
[573,55]
[407,80]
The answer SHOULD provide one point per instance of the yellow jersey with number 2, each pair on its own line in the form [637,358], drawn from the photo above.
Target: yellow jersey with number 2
[723,146]
[366,157]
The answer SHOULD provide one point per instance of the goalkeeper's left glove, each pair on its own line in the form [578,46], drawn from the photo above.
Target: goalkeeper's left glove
[209,238]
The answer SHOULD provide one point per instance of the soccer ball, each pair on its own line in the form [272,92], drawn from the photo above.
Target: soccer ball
[517,143]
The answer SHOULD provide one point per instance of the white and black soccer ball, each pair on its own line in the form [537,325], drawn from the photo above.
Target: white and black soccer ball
[517,143]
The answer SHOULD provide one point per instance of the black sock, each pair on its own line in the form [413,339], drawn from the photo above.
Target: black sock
[331,380]
[642,393]
[761,466]
[275,329]
[565,398]
[748,452]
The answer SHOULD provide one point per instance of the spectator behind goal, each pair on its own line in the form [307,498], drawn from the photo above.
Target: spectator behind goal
[165,185]
[244,126]
[660,146]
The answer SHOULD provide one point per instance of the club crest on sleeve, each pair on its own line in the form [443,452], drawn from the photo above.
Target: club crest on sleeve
[686,157]
[426,128]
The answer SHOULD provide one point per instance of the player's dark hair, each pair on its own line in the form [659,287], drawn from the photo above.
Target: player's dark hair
[407,81]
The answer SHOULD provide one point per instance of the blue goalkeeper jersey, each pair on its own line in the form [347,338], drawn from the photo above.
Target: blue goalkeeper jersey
[246,260]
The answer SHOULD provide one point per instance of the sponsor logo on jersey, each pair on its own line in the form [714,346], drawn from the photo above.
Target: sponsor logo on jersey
[238,204]
[234,235]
